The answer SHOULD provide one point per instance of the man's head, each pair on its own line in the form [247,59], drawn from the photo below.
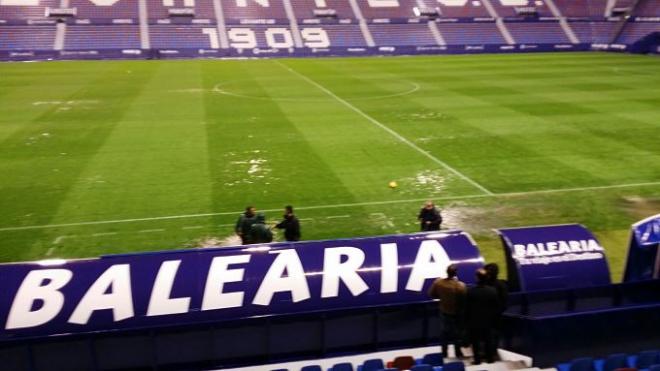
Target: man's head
[250,211]
[493,270]
[452,271]
[429,205]
[482,276]
[288,209]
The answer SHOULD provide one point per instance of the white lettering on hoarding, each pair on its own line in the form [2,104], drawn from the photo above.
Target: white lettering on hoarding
[112,290]
[40,297]
[161,301]
[334,271]
[285,274]
[431,262]
[219,274]
[39,285]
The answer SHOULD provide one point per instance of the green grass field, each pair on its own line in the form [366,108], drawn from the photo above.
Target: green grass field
[111,157]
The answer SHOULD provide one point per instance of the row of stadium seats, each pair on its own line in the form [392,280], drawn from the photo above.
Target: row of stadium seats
[99,37]
[430,362]
[645,360]
[235,11]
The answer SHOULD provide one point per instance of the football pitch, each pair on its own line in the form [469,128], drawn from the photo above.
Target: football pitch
[124,156]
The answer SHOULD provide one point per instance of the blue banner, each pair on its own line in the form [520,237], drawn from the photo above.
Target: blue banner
[222,284]
[554,257]
[643,260]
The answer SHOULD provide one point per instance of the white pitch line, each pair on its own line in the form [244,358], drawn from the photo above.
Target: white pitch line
[386,128]
[104,234]
[193,227]
[333,206]
[58,240]
[337,216]
[152,230]
[50,251]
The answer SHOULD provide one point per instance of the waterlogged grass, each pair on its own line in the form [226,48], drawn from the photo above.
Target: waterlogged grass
[97,156]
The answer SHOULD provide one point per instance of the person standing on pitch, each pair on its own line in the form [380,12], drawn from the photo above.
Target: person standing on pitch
[244,223]
[482,307]
[429,217]
[451,293]
[259,231]
[290,224]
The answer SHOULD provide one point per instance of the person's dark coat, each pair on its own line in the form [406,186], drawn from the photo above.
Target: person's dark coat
[291,227]
[259,231]
[482,307]
[243,226]
[430,219]
[502,290]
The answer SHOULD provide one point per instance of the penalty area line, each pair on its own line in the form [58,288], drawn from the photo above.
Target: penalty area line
[386,128]
[334,206]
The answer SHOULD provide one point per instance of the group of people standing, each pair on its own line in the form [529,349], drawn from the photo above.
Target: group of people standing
[471,315]
[251,226]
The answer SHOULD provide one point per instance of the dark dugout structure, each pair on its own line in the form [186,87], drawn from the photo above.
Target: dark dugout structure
[257,304]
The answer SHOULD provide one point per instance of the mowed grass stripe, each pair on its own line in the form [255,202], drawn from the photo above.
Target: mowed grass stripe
[394,133]
[49,153]
[469,143]
[459,114]
[257,155]
[158,154]
[497,94]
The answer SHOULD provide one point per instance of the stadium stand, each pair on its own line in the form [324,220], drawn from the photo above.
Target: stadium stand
[540,32]
[471,33]
[402,34]
[123,9]
[202,9]
[27,37]
[302,27]
[91,37]
[647,8]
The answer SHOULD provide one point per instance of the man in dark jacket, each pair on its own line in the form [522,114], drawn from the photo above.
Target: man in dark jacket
[259,231]
[481,311]
[290,224]
[429,217]
[244,223]
[502,290]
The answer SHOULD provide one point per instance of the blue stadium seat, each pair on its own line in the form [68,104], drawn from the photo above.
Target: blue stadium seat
[578,364]
[344,366]
[422,368]
[655,367]
[312,368]
[433,359]
[453,366]
[372,365]
[646,359]
[612,362]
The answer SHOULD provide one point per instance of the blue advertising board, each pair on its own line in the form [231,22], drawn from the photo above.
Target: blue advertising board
[643,260]
[224,284]
[554,257]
